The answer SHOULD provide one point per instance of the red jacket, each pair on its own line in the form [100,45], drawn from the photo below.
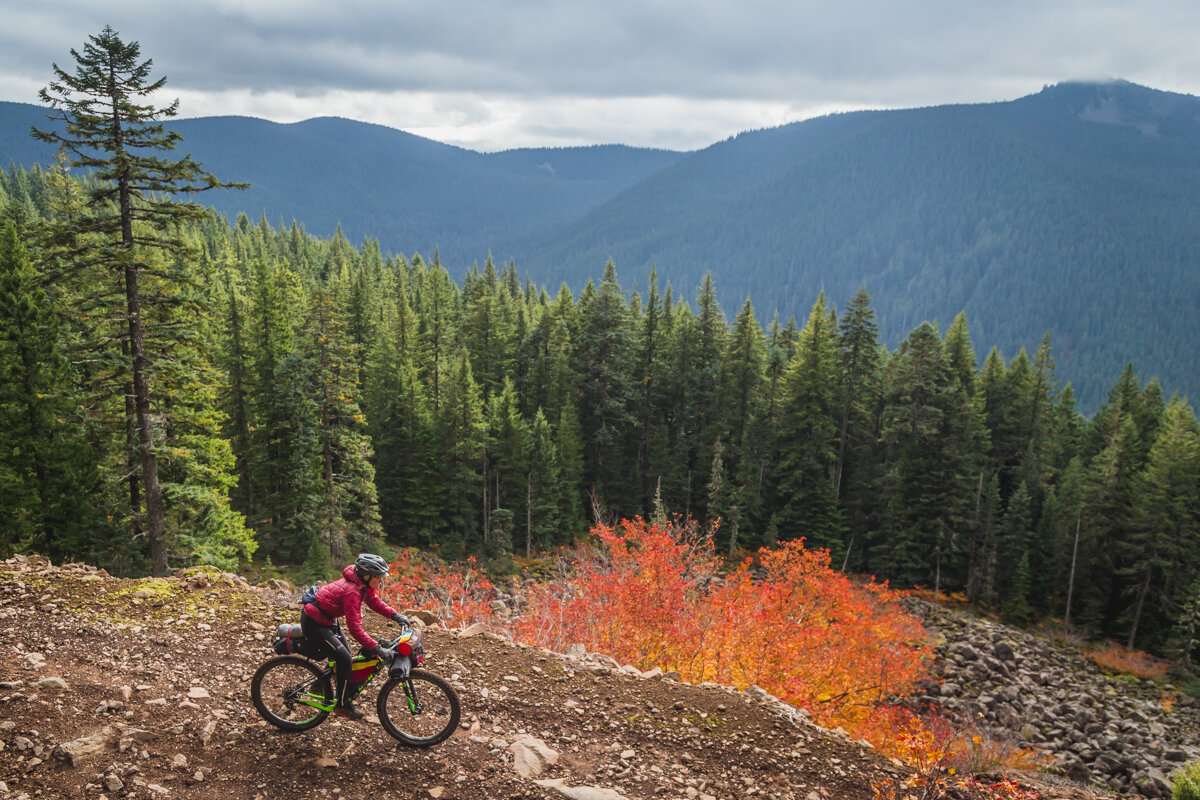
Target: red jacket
[345,597]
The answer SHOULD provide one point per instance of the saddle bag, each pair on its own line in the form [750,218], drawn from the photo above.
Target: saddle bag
[289,638]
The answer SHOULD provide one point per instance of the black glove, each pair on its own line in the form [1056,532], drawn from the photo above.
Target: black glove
[401,620]
[385,654]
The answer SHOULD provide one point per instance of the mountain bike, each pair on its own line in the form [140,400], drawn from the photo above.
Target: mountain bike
[295,693]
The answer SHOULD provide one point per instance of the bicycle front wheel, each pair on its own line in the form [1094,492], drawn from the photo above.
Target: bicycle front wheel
[420,711]
[282,689]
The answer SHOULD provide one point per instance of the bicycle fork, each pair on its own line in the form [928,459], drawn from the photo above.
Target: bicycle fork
[410,696]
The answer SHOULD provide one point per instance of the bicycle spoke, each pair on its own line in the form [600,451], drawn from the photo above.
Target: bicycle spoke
[420,711]
[292,694]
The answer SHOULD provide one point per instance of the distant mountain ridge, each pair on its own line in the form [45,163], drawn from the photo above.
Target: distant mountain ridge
[1071,211]
[412,194]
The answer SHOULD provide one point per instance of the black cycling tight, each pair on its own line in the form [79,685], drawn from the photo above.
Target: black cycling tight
[332,636]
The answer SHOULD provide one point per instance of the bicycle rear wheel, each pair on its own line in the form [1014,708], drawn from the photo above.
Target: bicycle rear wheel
[282,684]
[421,711]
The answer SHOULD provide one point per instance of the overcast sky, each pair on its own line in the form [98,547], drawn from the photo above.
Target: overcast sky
[673,74]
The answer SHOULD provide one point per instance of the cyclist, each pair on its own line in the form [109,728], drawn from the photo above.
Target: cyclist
[360,581]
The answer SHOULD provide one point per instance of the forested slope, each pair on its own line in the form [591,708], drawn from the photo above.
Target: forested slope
[1068,212]
[314,399]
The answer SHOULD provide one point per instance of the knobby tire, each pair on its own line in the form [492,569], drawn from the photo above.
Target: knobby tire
[284,680]
[440,713]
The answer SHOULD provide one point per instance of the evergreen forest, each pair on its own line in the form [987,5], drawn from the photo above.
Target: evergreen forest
[177,389]
[1070,211]
[313,399]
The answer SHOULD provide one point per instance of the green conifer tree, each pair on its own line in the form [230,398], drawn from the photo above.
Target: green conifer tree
[1161,553]
[109,131]
[604,361]
[46,502]
[808,438]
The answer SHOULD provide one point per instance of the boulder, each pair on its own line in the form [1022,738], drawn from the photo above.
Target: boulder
[478,629]
[428,617]
[78,750]
[532,756]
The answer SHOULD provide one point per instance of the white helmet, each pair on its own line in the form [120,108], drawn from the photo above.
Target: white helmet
[371,564]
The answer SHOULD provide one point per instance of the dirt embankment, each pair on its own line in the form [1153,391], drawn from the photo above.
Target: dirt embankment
[140,689]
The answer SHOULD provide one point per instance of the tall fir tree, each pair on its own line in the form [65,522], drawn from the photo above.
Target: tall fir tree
[808,432]
[1160,553]
[604,361]
[916,541]
[349,510]
[109,131]
[859,372]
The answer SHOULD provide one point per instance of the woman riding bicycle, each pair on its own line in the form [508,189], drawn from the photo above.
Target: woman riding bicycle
[360,581]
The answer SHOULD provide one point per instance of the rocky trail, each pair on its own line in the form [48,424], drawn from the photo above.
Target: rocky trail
[140,689]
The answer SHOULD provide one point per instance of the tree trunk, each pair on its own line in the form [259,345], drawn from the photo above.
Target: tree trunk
[241,418]
[1143,590]
[135,472]
[137,351]
[1074,556]
[486,519]
[141,401]
[841,456]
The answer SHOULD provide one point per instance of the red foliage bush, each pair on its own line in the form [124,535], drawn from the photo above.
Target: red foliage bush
[797,628]
[460,596]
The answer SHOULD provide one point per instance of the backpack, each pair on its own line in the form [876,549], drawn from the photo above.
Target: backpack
[310,595]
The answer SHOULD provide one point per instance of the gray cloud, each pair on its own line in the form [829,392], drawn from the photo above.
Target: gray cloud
[514,70]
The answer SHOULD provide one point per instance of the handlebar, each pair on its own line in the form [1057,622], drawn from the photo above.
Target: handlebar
[411,636]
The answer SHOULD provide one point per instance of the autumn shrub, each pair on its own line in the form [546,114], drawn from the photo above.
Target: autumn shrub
[986,752]
[929,746]
[793,626]
[972,750]
[944,599]
[1123,661]
[459,595]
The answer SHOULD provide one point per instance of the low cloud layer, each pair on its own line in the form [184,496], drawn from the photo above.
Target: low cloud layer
[666,73]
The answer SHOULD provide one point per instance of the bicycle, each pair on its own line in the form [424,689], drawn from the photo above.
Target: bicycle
[295,694]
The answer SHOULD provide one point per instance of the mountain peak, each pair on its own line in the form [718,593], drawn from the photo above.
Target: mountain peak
[1124,103]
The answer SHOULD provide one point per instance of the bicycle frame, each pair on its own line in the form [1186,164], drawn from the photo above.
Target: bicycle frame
[363,670]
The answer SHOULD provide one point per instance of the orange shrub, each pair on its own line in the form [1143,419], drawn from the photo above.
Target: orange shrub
[1115,658]
[800,630]
[944,599]
[933,748]
[460,596]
